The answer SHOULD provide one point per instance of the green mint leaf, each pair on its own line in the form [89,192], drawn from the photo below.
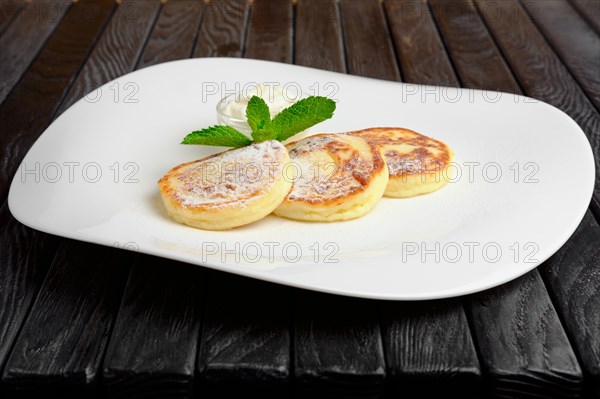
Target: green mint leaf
[223,136]
[301,115]
[257,113]
[264,134]
[294,119]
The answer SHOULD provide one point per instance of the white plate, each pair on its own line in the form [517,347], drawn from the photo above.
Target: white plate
[525,181]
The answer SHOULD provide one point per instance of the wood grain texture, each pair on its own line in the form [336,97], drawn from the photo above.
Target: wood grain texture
[369,50]
[478,62]
[223,29]
[578,46]
[174,32]
[245,340]
[60,347]
[77,375]
[245,346]
[340,356]
[590,10]
[118,50]
[153,345]
[531,374]
[152,350]
[319,22]
[249,345]
[415,367]
[22,269]
[429,350]
[24,38]
[535,65]
[164,370]
[9,9]
[23,116]
[523,348]
[420,49]
[573,278]
[31,105]
[270,31]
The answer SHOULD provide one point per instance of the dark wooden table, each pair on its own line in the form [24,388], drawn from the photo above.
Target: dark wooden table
[79,320]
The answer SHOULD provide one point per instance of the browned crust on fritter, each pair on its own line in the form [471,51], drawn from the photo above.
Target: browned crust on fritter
[355,164]
[420,155]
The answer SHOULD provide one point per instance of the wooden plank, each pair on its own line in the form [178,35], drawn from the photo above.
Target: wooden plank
[573,279]
[523,348]
[60,347]
[118,50]
[590,10]
[429,350]
[340,356]
[174,33]
[58,372]
[152,350]
[22,272]
[245,346]
[318,38]
[535,64]
[270,31]
[30,107]
[24,38]
[8,13]
[369,50]
[578,46]
[27,253]
[509,369]
[245,340]
[223,28]
[428,346]
[420,49]
[153,346]
[469,44]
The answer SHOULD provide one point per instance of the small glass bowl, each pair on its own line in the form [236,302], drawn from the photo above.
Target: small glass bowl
[227,119]
[242,124]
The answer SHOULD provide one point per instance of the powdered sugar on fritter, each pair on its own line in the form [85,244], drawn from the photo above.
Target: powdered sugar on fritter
[232,178]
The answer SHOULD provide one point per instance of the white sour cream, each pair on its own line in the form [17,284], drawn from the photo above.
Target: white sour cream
[273,96]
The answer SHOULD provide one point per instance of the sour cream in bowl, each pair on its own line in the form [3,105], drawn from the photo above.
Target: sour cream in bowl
[231,110]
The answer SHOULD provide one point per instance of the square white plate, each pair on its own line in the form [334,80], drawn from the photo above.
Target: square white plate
[524,174]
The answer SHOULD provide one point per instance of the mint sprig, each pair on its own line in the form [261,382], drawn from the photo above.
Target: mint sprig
[292,120]
[258,115]
[219,135]
[301,115]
